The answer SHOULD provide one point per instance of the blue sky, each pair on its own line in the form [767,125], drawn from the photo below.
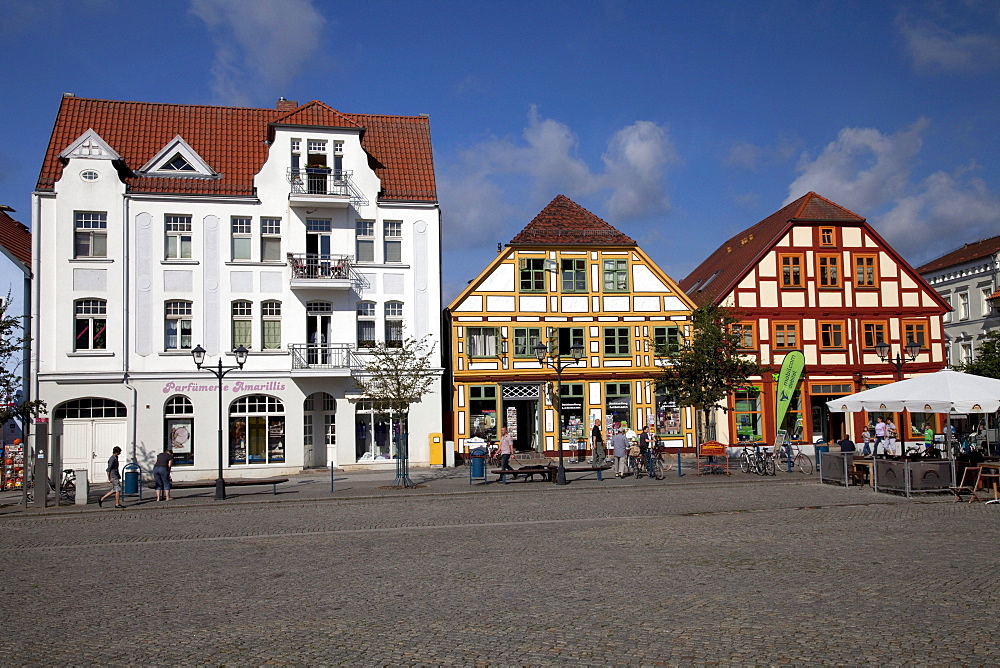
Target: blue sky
[679,123]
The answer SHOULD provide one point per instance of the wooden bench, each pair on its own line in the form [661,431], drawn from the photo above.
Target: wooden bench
[235,482]
[587,469]
[527,471]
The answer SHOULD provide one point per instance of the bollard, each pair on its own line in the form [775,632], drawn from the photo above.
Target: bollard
[82,487]
[332,475]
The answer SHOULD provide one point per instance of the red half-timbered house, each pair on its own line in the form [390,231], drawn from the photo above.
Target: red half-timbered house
[818,278]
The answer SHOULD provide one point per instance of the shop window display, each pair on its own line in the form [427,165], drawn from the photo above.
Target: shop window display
[256,431]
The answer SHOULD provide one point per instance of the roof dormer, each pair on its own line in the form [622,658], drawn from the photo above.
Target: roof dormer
[90,145]
[178,159]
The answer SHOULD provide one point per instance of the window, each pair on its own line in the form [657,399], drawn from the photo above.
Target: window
[668,416]
[270,239]
[827,236]
[91,238]
[377,433]
[963,305]
[178,429]
[525,340]
[366,324]
[866,271]
[616,275]
[90,175]
[951,307]
[242,324]
[667,339]
[567,337]
[532,275]
[828,270]
[393,230]
[296,150]
[746,335]
[481,341]
[178,231]
[366,240]
[177,164]
[271,325]
[872,333]
[571,405]
[574,275]
[785,335]
[966,353]
[747,414]
[915,330]
[256,431]
[791,271]
[316,153]
[831,335]
[242,229]
[986,306]
[483,412]
[618,404]
[177,325]
[91,324]
[616,341]
[338,155]
[91,408]
[394,324]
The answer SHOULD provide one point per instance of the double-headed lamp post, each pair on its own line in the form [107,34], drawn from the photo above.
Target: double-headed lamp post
[908,354]
[555,362]
[219,372]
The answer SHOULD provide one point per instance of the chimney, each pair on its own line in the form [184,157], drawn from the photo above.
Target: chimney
[285,105]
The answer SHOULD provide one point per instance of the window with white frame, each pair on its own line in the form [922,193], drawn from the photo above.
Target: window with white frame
[178,236]
[394,324]
[296,151]
[271,324]
[242,324]
[966,353]
[91,238]
[338,156]
[90,324]
[947,316]
[257,430]
[481,341]
[366,324]
[270,239]
[177,325]
[365,233]
[393,240]
[242,230]
[963,305]
[987,308]
[316,153]
[178,429]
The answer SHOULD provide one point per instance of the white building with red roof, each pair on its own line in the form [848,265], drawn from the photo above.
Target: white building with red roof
[302,233]
[15,291]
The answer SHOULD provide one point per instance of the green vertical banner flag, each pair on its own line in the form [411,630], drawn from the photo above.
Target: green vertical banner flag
[788,379]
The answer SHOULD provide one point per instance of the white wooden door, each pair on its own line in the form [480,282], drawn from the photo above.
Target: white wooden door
[87,444]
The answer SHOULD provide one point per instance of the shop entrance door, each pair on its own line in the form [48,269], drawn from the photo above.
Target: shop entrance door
[87,444]
[519,413]
[828,425]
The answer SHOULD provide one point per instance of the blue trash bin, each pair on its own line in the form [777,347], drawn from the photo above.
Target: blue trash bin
[477,464]
[820,449]
[131,473]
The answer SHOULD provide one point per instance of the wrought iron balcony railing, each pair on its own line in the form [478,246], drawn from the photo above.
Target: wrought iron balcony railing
[325,181]
[322,355]
[320,266]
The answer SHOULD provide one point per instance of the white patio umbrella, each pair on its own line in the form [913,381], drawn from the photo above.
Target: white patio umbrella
[944,391]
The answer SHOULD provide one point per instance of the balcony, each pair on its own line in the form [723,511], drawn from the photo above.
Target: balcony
[315,271]
[322,359]
[322,186]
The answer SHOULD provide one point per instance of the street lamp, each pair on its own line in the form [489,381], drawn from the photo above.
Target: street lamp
[219,372]
[908,354]
[555,362]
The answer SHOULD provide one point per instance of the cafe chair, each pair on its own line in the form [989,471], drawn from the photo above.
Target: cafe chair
[859,475]
[969,484]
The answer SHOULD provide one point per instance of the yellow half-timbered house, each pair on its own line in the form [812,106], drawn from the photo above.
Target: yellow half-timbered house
[568,279]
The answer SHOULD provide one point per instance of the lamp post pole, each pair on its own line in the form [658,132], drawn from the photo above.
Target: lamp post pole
[219,372]
[555,362]
[907,354]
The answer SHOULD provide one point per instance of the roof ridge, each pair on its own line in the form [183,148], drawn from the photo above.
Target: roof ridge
[168,104]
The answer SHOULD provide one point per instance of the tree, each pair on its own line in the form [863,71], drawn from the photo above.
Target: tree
[13,348]
[707,367]
[393,375]
[987,361]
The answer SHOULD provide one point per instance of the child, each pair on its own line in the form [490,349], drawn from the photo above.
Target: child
[866,435]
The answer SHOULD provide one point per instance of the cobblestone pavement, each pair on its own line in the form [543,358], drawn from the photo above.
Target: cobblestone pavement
[690,571]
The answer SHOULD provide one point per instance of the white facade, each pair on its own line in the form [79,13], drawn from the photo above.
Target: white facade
[182,270]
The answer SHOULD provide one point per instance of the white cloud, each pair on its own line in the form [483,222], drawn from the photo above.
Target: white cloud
[501,183]
[870,173]
[934,48]
[752,156]
[260,44]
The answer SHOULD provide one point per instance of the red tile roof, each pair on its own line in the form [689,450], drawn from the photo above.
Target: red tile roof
[723,269]
[15,237]
[563,222]
[967,253]
[232,140]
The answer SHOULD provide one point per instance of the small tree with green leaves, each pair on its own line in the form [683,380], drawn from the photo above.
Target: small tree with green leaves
[393,375]
[707,367]
[13,348]
[987,362]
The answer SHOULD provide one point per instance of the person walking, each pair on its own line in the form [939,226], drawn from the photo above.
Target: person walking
[620,446]
[506,450]
[879,435]
[115,478]
[891,434]
[597,445]
[161,472]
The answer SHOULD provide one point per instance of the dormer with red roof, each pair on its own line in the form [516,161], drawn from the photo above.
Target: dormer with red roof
[817,278]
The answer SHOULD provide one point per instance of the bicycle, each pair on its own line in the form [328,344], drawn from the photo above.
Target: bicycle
[658,466]
[757,460]
[800,461]
[67,486]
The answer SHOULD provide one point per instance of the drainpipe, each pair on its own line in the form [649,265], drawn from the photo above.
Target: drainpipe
[126,283]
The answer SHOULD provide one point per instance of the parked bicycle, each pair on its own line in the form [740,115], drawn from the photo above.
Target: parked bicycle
[757,460]
[67,486]
[800,461]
